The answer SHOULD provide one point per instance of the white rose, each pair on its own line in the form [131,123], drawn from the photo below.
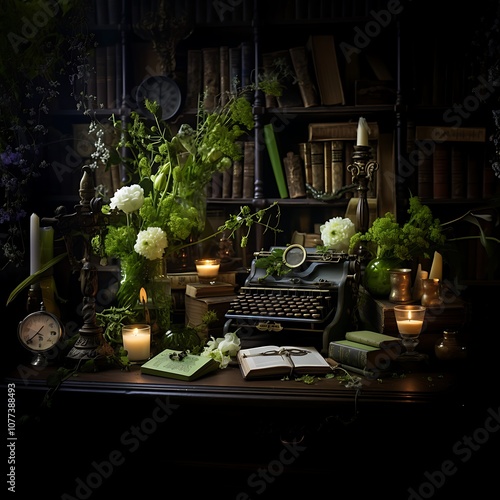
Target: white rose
[336,233]
[151,243]
[128,198]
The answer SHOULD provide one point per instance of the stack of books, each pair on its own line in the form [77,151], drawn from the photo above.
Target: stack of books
[366,352]
[203,297]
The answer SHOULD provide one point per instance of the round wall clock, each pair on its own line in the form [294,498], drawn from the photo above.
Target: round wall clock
[160,89]
[39,333]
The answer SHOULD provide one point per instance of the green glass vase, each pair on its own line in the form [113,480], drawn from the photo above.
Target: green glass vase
[377,278]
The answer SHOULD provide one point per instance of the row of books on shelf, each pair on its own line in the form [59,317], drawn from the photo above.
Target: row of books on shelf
[452,163]
[217,72]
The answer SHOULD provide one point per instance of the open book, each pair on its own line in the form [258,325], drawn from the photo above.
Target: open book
[272,361]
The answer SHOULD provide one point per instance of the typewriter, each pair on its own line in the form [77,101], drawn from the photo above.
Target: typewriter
[310,305]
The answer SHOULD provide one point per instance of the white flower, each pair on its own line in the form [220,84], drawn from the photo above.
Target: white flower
[336,233]
[128,198]
[151,243]
[221,349]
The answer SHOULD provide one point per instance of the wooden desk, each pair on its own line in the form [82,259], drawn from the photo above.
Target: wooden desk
[243,439]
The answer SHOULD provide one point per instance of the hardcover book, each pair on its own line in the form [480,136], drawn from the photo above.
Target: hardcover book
[218,289]
[197,307]
[304,73]
[190,367]
[327,71]
[362,356]
[274,361]
[374,339]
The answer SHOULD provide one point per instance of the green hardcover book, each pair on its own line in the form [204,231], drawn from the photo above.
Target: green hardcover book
[274,156]
[191,367]
[359,355]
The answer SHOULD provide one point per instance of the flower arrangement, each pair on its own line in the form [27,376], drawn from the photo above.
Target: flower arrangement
[417,238]
[162,210]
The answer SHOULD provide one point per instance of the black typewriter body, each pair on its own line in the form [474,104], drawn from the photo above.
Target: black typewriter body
[309,306]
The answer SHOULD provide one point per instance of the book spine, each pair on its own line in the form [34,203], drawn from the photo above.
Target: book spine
[224,75]
[294,176]
[101,77]
[327,167]
[473,176]
[441,172]
[338,166]
[235,69]
[348,355]
[458,171]
[424,175]
[248,169]
[339,131]
[272,149]
[302,67]
[111,76]
[227,182]
[194,78]
[305,156]
[457,134]
[211,76]
[237,187]
[317,166]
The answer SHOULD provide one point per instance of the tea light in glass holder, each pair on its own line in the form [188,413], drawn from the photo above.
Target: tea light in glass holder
[137,342]
[410,321]
[207,269]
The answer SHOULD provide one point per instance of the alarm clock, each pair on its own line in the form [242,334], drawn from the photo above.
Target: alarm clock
[40,332]
[162,90]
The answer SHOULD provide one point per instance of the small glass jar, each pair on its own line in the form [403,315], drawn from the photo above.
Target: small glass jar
[450,347]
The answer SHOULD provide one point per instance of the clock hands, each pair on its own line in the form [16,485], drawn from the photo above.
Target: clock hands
[37,333]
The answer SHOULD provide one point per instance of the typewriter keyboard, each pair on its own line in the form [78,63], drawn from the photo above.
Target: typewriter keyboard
[280,304]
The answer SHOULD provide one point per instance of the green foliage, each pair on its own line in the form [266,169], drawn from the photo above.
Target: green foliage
[418,237]
[273,264]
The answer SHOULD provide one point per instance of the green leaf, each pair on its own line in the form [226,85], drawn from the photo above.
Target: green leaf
[34,278]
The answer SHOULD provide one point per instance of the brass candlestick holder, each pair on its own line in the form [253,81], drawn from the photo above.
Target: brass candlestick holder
[89,221]
[362,169]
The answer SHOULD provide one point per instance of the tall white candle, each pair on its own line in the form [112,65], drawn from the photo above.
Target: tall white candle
[437,267]
[362,135]
[34,243]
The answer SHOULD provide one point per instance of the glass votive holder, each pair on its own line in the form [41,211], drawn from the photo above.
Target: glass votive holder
[207,269]
[137,342]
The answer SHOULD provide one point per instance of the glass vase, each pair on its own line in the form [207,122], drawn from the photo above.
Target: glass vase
[376,276]
[450,347]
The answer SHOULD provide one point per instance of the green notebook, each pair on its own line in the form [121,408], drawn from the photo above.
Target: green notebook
[189,368]
[274,156]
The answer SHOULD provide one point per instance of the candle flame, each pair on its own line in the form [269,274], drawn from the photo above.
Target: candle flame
[409,315]
[143,296]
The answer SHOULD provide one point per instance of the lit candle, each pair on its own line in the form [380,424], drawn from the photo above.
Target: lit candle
[363,129]
[436,267]
[34,243]
[410,327]
[207,269]
[143,297]
[410,320]
[137,341]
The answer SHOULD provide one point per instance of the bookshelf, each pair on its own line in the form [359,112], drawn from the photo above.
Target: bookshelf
[384,67]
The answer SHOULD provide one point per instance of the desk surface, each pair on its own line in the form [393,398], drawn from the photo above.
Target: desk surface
[227,386]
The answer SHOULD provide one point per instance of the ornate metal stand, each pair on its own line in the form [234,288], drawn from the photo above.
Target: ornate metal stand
[362,169]
[89,220]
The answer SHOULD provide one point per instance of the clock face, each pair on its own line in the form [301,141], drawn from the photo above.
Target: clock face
[40,331]
[160,89]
